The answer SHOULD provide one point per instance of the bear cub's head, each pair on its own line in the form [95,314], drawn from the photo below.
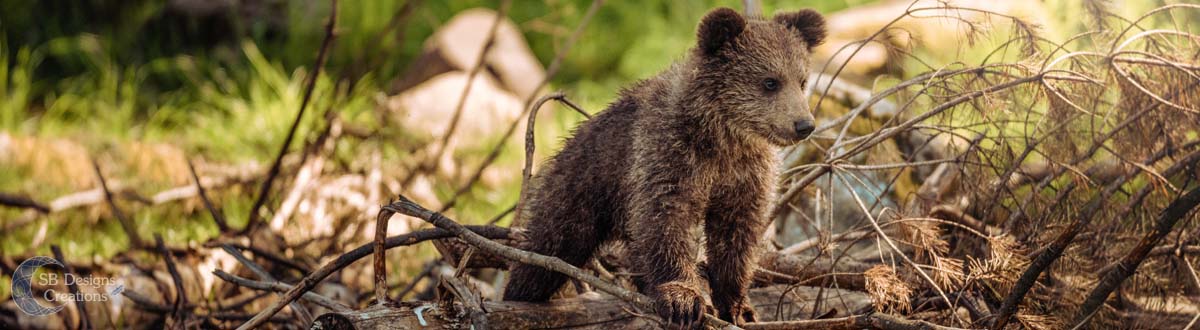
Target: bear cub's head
[755,71]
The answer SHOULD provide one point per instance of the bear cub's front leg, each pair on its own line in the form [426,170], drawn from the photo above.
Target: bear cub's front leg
[735,221]
[666,207]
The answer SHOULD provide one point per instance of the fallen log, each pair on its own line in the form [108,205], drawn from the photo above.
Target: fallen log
[590,311]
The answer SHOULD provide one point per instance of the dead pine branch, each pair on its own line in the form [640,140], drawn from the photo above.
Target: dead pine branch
[1049,255]
[1129,264]
[892,245]
[310,83]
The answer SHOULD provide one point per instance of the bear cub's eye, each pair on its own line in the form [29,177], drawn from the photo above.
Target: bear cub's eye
[771,84]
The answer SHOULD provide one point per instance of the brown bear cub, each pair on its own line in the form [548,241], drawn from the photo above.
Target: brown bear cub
[695,145]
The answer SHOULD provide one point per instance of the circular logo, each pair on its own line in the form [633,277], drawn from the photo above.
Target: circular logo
[22,286]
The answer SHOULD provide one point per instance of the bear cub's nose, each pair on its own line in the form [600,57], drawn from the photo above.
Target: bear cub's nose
[804,128]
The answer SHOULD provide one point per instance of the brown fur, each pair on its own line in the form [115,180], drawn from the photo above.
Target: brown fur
[693,146]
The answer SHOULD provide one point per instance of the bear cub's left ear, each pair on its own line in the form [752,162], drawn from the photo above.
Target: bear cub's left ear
[808,22]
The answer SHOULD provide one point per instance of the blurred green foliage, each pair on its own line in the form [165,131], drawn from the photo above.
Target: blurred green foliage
[224,84]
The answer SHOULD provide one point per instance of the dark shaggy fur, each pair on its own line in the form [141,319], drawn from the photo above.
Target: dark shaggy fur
[693,146]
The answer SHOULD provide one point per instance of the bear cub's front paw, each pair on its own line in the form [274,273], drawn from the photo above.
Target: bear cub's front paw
[680,304]
[738,313]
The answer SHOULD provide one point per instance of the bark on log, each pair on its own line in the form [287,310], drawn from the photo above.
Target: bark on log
[587,312]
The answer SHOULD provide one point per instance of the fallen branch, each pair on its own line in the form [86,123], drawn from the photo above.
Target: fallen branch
[867,321]
[1047,257]
[310,281]
[20,201]
[408,207]
[590,311]
[301,312]
[1129,264]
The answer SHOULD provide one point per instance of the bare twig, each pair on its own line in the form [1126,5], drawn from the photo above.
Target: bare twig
[301,312]
[180,295]
[273,257]
[815,241]
[310,83]
[20,201]
[401,15]
[380,262]
[147,304]
[408,207]
[217,216]
[96,196]
[1196,282]
[84,321]
[480,62]
[527,172]
[429,266]
[280,287]
[135,240]
[502,214]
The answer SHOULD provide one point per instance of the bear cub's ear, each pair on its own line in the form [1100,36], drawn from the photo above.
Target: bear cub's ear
[719,27]
[808,22]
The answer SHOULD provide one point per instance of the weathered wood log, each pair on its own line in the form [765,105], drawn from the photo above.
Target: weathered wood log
[591,311]
[848,273]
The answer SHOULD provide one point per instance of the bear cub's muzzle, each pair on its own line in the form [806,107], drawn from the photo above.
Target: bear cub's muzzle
[804,128]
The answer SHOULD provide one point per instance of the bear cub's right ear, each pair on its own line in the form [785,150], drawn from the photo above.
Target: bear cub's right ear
[719,27]
[809,23]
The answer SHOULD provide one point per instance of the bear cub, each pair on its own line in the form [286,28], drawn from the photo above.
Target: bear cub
[693,146]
